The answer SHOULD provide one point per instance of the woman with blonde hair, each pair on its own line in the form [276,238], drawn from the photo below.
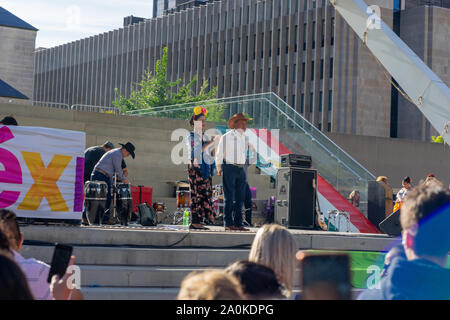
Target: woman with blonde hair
[275,247]
[211,285]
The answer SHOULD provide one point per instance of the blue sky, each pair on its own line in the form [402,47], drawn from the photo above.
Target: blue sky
[62,21]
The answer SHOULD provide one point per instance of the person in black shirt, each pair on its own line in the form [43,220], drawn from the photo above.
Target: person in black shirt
[93,155]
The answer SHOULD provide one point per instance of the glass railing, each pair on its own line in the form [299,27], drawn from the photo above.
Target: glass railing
[297,134]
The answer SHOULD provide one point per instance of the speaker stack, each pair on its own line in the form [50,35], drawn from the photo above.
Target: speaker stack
[296,192]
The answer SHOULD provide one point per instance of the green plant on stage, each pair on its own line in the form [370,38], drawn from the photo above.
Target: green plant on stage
[156,91]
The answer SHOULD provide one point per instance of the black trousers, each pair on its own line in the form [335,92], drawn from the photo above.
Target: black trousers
[234,182]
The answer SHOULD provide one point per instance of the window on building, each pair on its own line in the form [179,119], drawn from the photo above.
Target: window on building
[293,101]
[294,74]
[285,74]
[320,101]
[330,100]
[331,67]
[302,105]
[332,31]
[322,38]
[329,127]
[295,39]
[311,102]
[268,78]
[321,68]
[312,70]
[305,5]
[314,33]
[303,72]
[304,37]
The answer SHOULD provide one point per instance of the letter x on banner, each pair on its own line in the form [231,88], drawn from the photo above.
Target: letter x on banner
[41,172]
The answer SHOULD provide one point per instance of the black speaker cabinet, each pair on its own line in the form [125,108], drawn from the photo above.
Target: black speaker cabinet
[296,198]
[376,203]
[391,225]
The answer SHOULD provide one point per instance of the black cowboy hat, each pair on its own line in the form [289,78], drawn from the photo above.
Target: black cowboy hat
[129,147]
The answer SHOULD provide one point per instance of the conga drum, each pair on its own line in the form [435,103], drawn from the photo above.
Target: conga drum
[124,203]
[95,193]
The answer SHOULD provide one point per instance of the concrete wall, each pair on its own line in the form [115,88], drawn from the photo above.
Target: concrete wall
[397,158]
[425,30]
[17,59]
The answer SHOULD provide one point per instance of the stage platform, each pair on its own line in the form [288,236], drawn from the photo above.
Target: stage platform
[177,236]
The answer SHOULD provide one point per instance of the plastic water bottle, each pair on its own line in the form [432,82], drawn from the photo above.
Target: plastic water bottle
[186,218]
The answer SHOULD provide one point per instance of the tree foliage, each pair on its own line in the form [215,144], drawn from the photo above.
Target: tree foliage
[155,90]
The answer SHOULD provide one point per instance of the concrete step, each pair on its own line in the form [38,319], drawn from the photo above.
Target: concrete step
[126,276]
[113,293]
[130,293]
[216,237]
[110,256]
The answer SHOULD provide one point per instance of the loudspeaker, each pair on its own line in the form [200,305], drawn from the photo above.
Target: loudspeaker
[391,225]
[296,198]
[376,203]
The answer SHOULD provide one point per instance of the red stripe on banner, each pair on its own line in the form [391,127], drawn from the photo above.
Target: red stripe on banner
[342,204]
[266,136]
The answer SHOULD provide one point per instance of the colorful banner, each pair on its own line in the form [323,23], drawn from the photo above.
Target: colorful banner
[41,172]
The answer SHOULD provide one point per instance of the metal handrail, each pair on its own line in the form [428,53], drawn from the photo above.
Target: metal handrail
[91,108]
[50,104]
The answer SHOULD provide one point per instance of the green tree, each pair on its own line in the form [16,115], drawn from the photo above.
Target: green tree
[155,90]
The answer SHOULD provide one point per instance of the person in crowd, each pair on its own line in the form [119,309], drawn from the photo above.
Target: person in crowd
[13,284]
[231,157]
[431,179]
[201,169]
[425,219]
[401,195]
[211,285]
[389,195]
[396,251]
[35,271]
[9,121]
[258,281]
[275,247]
[107,166]
[354,198]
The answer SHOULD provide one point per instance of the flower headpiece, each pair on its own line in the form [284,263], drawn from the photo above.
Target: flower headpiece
[200,110]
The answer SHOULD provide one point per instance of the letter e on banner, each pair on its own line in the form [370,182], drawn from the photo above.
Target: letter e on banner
[12,172]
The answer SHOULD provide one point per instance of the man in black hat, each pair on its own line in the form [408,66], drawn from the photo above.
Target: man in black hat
[93,155]
[109,165]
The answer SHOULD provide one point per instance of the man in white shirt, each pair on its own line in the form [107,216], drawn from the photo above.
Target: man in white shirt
[230,160]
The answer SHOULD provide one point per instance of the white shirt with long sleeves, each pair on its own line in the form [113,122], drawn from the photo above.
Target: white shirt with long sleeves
[36,273]
[232,148]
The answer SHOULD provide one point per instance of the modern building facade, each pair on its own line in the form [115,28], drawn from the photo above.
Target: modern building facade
[300,49]
[17,43]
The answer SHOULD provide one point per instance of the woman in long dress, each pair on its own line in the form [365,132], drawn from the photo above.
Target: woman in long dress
[201,169]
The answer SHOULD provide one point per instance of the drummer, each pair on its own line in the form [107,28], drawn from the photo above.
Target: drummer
[109,165]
